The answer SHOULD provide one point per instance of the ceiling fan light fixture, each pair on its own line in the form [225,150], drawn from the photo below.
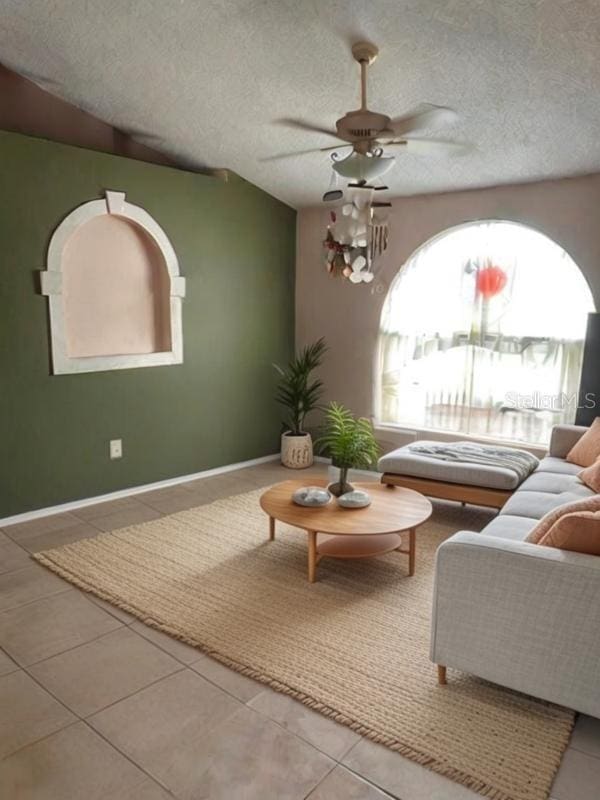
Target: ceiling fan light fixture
[361,167]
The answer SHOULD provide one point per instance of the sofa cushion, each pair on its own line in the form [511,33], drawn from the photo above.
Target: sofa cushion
[578,531]
[403,462]
[537,504]
[585,451]
[555,482]
[509,526]
[552,464]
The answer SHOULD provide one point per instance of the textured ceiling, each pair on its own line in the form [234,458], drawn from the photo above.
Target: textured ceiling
[208,80]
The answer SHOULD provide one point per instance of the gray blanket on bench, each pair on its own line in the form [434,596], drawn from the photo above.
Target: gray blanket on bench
[520,462]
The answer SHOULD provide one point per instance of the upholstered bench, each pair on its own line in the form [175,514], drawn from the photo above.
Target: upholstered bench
[479,484]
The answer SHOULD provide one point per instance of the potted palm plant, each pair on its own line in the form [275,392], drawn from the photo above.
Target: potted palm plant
[299,394]
[350,442]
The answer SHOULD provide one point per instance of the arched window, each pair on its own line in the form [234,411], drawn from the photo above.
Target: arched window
[482,333]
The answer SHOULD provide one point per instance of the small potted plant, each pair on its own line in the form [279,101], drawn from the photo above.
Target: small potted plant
[299,395]
[350,442]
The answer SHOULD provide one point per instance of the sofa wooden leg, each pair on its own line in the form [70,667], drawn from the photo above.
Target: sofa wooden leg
[441,675]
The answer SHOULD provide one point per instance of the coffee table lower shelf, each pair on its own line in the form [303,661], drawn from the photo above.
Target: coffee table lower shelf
[358,546]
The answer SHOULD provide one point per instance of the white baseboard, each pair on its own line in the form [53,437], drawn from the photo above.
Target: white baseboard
[26,516]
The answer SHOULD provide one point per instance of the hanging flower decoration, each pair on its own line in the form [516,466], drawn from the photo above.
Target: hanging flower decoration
[337,254]
[490,281]
[355,240]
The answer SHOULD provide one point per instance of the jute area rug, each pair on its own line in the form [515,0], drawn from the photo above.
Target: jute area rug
[354,645]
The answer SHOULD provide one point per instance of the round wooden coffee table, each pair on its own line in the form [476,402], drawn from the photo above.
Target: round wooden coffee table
[352,533]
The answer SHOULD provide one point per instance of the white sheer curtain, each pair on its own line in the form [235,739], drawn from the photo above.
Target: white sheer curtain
[506,368]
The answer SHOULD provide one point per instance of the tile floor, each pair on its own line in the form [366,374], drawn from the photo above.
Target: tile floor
[95,705]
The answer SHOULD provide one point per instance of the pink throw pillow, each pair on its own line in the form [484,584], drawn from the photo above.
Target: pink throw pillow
[587,449]
[578,532]
[548,520]
[591,476]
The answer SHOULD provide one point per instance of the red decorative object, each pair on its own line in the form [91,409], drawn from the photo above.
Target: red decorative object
[490,281]
[335,261]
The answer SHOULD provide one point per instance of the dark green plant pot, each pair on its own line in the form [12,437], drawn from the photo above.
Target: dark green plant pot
[338,489]
[341,486]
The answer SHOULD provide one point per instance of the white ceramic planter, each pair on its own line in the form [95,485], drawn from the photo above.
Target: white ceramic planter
[296,451]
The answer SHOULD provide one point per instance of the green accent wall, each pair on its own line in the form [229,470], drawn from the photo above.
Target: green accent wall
[236,249]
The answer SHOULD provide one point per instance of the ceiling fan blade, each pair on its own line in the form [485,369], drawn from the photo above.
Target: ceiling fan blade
[140,133]
[424,117]
[279,156]
[432,146]
[305,126]
[36,77]
[336,147]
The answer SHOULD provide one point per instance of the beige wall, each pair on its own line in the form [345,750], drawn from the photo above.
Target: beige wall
[348,316]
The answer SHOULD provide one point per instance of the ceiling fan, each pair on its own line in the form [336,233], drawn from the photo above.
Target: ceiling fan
[369,132]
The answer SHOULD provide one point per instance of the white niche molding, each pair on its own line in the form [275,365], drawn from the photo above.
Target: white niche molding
[114,290]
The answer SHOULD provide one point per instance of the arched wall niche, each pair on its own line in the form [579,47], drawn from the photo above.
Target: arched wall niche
[114,290]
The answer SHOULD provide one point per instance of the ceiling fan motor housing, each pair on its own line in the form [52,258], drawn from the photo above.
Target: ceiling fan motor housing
[360,125]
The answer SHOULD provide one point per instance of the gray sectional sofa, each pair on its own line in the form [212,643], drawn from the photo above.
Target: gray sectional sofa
[519,614]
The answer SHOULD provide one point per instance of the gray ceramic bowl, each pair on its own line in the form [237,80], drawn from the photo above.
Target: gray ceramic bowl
[355,499]
[311,496]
